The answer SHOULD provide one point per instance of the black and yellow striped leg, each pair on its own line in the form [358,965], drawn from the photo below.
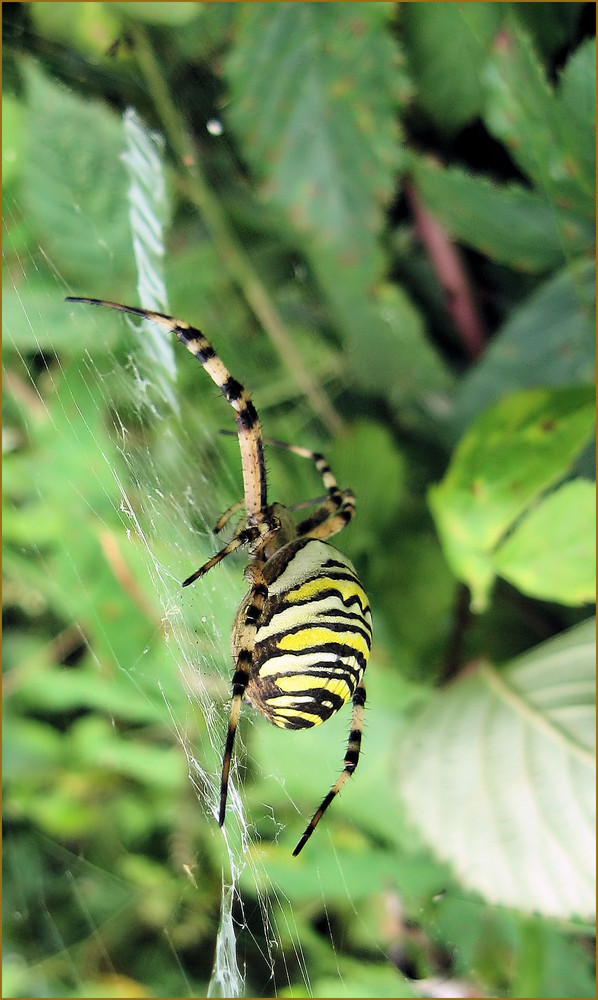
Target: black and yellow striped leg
[237,542]
[261,532]
[258,594]
[248,426]
[240,682]
[351,762]
[228,513]
[336,510]
[331,515]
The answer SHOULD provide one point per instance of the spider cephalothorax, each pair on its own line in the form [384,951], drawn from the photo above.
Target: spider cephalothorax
[302,636]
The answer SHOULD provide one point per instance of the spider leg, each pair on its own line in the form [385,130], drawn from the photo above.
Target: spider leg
[351,762]
[242,675]
[248,425]
[239,505]
[336,510]
[228,513]
[244,537]
[329,518]
[240,682]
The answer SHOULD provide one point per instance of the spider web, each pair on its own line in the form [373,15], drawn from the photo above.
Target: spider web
[163,502]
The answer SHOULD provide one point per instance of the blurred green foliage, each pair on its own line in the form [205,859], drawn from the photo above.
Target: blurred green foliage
[308,149]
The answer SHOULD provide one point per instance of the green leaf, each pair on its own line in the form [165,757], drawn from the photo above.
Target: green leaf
[417,598]
[549,341]
[318,120]
[553,26]
[76,25]
[42,321]
[551,553]
[159,13]
[56,690]
[80,505]
[510,455]
[97,743]
[498,772]
[448,76]
[74,184]
[365,979]
[508,223]
[386,328]
[522,111]
[30,747]
[577,102]
[367,459]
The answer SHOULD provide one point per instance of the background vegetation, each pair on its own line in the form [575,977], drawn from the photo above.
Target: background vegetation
[383,216]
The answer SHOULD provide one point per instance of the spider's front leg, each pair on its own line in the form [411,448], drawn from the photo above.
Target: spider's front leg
[244,632]
[254,535]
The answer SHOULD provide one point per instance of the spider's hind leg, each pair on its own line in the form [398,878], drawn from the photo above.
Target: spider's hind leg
[351,762]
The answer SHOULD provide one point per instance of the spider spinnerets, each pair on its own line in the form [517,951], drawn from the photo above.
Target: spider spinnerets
[301,637]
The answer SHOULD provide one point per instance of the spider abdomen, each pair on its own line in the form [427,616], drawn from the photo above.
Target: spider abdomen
[313,636]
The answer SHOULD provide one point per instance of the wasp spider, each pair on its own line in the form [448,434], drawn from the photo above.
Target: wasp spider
[301,637]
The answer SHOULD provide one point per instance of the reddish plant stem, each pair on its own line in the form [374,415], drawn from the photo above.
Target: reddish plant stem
[446,261]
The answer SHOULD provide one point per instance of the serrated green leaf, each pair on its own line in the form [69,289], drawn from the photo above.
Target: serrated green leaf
[522,111]
[577,103]
[549,340]
[554,26]
[74,184]
[551,554]
[498,772]
[508,223]
[318,120]
[386,343]
[510,455]
[448,76]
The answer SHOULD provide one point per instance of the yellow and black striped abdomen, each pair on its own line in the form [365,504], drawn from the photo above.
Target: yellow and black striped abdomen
[313,637]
